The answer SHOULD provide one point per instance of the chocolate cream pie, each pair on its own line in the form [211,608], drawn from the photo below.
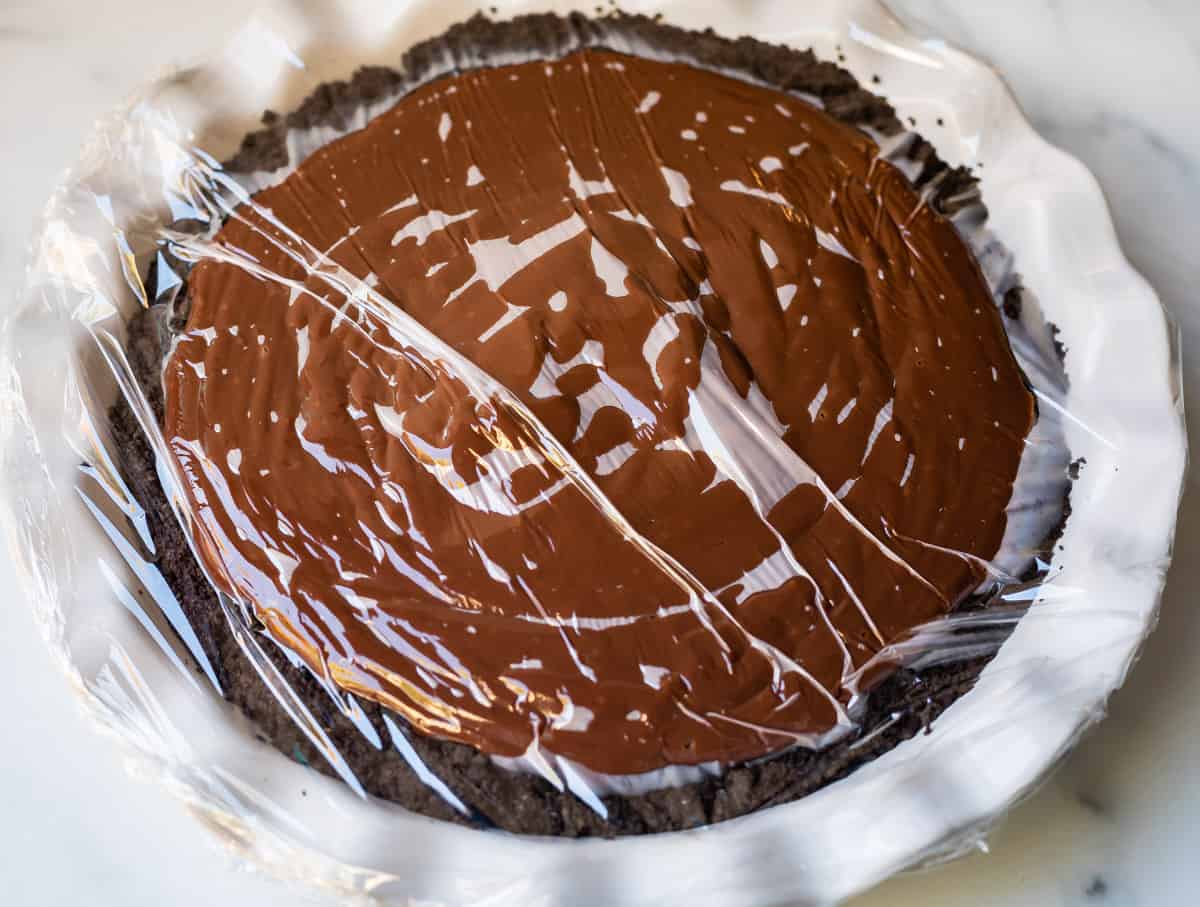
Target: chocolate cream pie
[576,438]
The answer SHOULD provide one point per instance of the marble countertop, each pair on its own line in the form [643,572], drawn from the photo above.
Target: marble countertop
[1112,81]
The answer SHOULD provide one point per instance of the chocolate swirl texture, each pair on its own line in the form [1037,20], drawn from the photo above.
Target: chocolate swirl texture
[609,405]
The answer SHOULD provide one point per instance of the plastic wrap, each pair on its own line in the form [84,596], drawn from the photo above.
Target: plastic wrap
[155,573]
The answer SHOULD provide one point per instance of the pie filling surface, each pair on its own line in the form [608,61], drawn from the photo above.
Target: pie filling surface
[608,406]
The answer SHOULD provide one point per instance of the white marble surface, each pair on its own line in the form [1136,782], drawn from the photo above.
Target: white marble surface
[1112,81]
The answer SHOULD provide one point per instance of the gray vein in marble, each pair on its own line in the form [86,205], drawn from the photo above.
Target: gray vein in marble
[1183,19]
[15,33]
[1105,123]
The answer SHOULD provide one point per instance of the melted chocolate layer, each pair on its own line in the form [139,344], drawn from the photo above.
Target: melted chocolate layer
[611,404]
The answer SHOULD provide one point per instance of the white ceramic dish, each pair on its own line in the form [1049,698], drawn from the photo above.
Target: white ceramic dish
[920,801]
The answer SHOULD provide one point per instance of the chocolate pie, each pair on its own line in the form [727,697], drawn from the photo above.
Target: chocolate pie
[580,434]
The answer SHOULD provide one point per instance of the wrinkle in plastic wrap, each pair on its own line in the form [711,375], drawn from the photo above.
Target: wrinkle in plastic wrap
[481,469]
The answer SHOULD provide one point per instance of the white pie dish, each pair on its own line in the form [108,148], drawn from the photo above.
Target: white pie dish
[1047,683]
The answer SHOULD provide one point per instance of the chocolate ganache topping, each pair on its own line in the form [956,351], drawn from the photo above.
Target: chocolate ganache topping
[608,406]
